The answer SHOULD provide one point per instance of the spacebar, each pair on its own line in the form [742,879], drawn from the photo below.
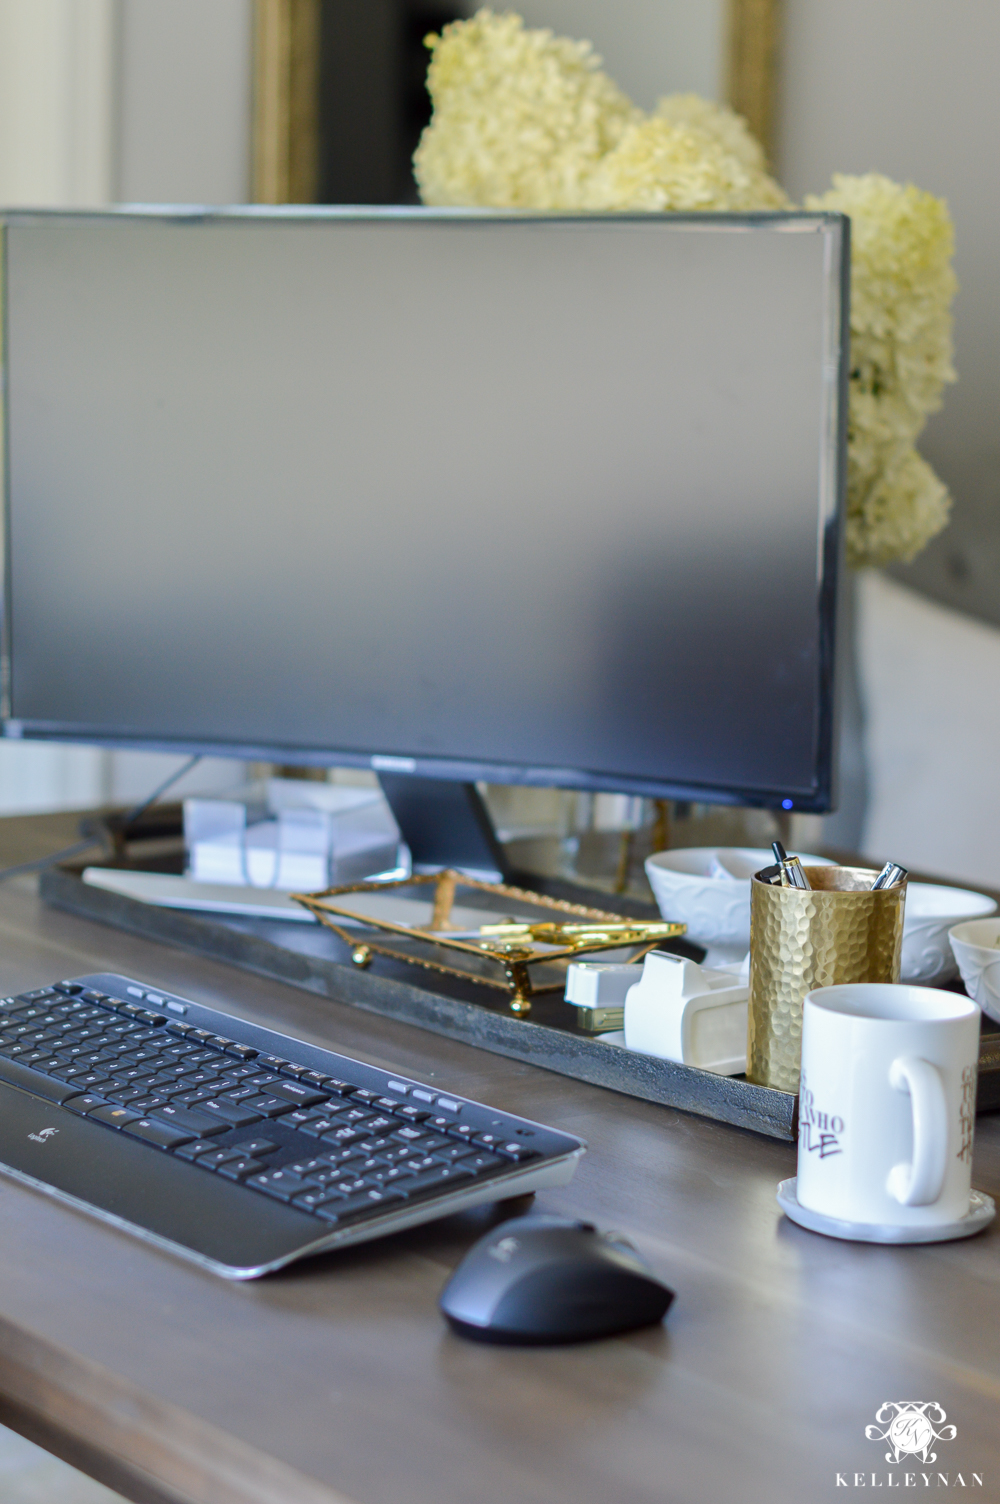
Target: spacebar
[23,1076]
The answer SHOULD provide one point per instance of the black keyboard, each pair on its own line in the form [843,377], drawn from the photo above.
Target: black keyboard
[233,1145]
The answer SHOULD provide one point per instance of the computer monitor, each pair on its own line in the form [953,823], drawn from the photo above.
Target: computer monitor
[529,499]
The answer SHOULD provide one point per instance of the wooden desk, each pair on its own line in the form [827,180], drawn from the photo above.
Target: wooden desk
[338,1381]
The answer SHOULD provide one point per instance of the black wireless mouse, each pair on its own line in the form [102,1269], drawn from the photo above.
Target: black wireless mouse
[545,1279]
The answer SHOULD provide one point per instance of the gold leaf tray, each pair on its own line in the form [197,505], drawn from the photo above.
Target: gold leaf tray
[523,950]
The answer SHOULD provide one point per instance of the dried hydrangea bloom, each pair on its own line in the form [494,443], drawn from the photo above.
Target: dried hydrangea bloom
[658,165]
[902,285]
[717,120]
[520,117]
[894,506]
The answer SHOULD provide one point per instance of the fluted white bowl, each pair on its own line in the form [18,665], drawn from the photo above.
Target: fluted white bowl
[931,911]
[976,944]
[715,908]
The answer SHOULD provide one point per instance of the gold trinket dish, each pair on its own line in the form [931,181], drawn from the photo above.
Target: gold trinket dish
[521,942]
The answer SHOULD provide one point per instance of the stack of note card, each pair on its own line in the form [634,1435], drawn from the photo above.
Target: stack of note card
[290,834]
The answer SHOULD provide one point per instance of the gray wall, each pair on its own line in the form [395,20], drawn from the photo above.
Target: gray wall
[184,123]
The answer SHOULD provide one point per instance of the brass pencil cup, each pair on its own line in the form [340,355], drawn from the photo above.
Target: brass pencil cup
[840,932]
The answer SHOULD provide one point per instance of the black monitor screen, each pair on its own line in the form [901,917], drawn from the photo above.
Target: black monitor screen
[530,499]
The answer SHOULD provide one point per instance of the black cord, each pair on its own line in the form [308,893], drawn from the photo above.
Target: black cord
[78,846]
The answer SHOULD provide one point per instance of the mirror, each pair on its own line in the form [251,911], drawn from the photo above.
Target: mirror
[340,100]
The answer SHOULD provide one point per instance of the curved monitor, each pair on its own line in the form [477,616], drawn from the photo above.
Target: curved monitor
[525,498]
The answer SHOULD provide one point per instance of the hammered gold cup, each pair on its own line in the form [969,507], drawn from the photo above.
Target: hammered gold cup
[840,932]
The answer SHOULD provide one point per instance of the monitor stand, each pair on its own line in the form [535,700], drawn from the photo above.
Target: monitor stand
[445,824]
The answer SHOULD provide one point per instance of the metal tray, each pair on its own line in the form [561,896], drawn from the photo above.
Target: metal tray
[315,959]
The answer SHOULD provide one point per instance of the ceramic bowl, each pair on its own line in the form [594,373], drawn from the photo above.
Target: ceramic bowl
[931,910]
[708,889]
[976,944]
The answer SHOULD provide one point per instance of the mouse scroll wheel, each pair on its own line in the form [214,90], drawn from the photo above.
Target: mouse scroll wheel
[586,1226]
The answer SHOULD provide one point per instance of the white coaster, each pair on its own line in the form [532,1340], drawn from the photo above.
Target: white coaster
[980,1214]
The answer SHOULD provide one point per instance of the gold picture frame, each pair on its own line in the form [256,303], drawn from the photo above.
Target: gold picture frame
[286,88]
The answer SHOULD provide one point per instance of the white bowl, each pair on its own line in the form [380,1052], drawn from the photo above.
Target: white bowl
[976,944]
[930,912]
[715,908]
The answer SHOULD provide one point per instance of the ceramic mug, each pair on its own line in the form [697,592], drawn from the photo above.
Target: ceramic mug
[887,1104]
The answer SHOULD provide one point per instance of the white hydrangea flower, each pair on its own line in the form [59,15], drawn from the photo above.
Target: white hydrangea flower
[902,285]
[660,165]
[520,117]
[716,120]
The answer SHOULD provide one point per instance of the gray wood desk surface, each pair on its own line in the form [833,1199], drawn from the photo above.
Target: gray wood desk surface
[338,1381]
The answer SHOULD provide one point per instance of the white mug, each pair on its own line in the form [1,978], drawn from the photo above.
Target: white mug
[887,1104]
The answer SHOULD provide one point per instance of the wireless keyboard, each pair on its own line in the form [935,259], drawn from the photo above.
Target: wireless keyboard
[235,1146]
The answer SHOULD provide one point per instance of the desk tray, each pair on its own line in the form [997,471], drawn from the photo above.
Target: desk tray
[313,958]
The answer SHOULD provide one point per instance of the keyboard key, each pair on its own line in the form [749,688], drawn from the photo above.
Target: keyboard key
[240,1169]
[231,1114]
[361,1095]
[389,1174]
[338,1088]
[306,1168]
[115,1116]
[317,1127]
[310,1200]
[453,1152]
[413,1114]
[377,1145]
[83,1102]
[216,1157]
[195,1123]
[297,1093]
[439,1179]
[372,1199]
[251,1147]
[270,1106]
[194,1150]
[518,1152]
[421,1162]
[280,1184]
[312,1078]
[350,1185]
[342,1136]
[34,1081]
[151,1131]
[478,1164]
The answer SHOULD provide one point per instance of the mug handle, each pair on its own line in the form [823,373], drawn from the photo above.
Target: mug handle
[921,1182]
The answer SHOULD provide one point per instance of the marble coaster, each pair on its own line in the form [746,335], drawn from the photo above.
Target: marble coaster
[980,1214]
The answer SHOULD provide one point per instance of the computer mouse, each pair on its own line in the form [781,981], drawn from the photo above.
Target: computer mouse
[541,1279]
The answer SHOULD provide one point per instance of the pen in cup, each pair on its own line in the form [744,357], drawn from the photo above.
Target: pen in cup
[891,876]
[792,872]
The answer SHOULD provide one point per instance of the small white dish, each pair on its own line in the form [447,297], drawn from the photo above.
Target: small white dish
[708,889]
[931,910]
[982,1210]
[976,944]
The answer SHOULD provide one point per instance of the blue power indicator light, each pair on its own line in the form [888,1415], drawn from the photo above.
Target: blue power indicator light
[786,804]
